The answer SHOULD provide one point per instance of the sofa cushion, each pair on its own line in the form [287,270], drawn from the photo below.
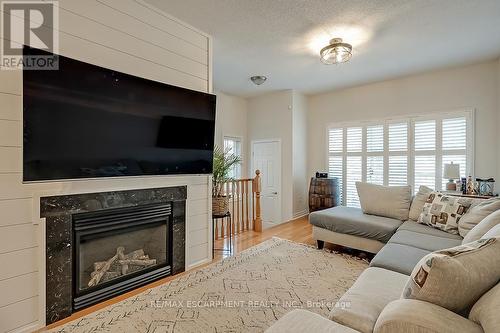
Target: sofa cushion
[352,221]
[424,229]
[413,316]
[443,211]
[417,204]
[298,321]
[482,227]
[365,300]
[456,278]
[387,201]
[486,311]
[493,232]
[476,214]
[423,241]
[398,258]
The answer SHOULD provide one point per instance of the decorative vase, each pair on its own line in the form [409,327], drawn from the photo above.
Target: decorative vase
[220,205]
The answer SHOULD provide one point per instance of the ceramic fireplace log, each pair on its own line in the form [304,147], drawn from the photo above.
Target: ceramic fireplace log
[99,274]
[137,254]
[138,262]
[107,276]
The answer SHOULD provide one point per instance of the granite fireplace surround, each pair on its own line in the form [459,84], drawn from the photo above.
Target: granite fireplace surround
[58,211]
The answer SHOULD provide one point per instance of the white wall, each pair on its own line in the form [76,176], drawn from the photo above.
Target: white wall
[128,36]
[498,126]
[270,117]
[299,155]
[472,86]
[232,121]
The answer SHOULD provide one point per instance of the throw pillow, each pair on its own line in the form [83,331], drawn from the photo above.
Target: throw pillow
[417,204]
[456,278]
[388,201]
[476,214]
[443,211]
[482,227]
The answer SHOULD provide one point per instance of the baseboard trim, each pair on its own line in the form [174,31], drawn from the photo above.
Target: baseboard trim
[31,327]
[300,214]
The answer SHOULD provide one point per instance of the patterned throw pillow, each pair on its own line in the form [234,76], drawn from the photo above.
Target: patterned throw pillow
[443,211]
[456,278]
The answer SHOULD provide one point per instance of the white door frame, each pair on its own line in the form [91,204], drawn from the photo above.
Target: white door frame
[252,172]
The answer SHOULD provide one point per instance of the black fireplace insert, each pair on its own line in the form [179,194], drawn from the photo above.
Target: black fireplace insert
[116,250]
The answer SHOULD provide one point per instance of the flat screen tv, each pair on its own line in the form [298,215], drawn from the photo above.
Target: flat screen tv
[85,121]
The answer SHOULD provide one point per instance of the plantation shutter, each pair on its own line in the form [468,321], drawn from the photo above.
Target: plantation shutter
[425,153]
[335,155]
[398,154]
[454,147]
[410,151]
[375,154]
[354,146]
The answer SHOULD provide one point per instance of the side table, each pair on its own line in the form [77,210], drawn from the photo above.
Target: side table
[214,221]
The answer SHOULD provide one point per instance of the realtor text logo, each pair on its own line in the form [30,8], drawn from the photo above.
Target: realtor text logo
[34,24]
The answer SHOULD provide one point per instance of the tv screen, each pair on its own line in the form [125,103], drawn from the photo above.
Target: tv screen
[85,121]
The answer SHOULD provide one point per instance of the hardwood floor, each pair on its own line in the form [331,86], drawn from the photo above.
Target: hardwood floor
[298,230]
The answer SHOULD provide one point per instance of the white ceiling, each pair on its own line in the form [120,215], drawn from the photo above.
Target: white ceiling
[391,38]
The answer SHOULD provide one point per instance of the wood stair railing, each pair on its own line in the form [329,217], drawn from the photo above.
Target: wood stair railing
[244,206]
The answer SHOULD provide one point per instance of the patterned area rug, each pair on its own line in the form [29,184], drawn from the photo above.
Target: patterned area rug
[245,293]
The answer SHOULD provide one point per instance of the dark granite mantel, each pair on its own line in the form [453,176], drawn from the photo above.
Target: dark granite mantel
[58,211]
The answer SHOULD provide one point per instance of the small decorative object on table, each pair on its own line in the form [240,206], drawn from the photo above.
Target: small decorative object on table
[463,185]
[471,188]
[451,172]
[321,174]
[485,186]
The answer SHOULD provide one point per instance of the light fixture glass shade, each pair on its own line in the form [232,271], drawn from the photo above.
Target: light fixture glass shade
[337,52]
[258,79]
[451,171]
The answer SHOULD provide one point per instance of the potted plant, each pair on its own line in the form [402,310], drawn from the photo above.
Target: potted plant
[224,161]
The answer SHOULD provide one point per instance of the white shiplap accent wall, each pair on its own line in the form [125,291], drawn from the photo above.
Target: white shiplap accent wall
[125,35]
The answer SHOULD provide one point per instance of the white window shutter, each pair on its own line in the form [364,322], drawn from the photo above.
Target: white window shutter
[409,151]
[335,140]
[398,137]
[375,138]
[425,135]
[354,139]
[454,133]
[353,175]
[375,169]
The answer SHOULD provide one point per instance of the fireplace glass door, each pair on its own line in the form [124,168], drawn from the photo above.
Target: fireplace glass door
[111,255]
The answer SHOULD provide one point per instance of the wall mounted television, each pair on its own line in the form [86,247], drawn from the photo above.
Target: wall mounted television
[85,121]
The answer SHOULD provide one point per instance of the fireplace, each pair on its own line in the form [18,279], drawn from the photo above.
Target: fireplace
[116,250]
[100,245]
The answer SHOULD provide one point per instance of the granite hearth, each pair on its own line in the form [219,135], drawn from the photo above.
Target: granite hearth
[59,212]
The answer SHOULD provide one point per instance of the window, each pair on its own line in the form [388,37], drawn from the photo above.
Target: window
[233,146]
[398,152]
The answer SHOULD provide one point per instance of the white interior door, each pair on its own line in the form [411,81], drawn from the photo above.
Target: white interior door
[266,156]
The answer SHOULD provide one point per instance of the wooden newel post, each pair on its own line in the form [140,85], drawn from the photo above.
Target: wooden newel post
[257,226]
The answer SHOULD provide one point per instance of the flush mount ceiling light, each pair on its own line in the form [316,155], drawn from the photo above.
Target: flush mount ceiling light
[258,79]
[336,52]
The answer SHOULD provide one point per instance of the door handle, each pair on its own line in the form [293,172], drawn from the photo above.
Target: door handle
[275,192]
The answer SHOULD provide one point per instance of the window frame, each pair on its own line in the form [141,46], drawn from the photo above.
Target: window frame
[242,155]
[439,152]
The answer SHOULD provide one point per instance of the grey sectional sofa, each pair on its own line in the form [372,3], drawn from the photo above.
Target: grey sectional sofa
[399,245]
[375,302]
